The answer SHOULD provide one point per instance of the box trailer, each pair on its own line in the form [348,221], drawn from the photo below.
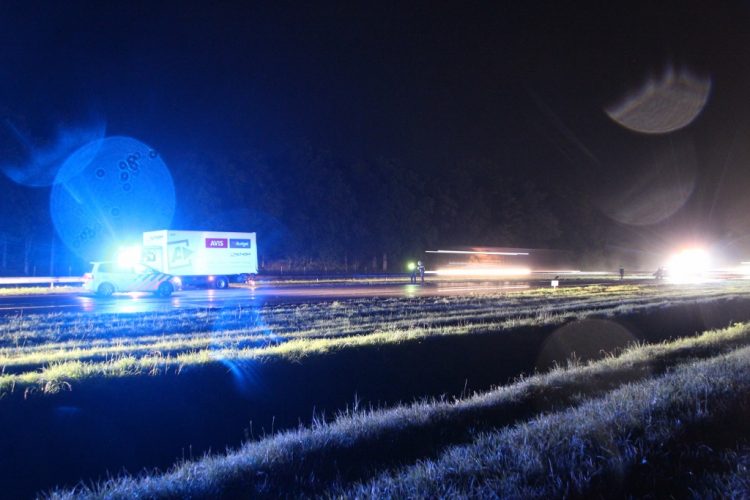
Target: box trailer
[202,258]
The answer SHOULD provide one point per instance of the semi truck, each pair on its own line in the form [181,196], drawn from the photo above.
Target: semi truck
[202,258]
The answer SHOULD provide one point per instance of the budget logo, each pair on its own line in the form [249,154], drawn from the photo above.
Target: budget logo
[216,243]
[239,243]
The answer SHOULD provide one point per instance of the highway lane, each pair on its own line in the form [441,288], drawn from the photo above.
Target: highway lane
[79,301]
[237,296]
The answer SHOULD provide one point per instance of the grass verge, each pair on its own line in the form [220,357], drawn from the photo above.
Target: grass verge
[358,444]
[655,437]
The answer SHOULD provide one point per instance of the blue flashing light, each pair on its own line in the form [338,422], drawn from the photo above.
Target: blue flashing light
[129,257]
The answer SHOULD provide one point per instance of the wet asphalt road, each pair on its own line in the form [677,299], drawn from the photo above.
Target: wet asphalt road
[272,293]
[78,301]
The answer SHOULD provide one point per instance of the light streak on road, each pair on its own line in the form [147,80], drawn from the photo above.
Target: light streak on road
[476,252]
[30,280]
[481,271]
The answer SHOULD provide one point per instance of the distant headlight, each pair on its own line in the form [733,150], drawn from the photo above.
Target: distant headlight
[689,265]
[177,281]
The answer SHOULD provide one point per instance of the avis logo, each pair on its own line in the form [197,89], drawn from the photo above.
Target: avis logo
[216,243]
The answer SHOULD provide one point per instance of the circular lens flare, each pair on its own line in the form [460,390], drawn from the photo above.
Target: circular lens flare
[663,105]
[107,192]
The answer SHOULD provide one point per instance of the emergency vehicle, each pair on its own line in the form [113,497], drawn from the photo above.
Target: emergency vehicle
[107,278]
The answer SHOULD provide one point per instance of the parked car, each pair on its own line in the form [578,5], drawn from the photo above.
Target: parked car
[107,278]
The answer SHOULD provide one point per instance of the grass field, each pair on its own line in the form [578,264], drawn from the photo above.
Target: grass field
[322,394]
[613,417]
[46,351]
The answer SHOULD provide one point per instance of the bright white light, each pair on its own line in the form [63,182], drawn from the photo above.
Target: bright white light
[688,266]
[743,270]
[483,271]
[129,256]
[476,252]
[566,271]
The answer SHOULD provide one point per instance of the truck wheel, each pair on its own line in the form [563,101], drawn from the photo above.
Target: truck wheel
[165,289]
[105,290]
[221,282]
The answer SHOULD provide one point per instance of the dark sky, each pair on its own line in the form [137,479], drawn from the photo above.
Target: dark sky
[398,79]
[522,83]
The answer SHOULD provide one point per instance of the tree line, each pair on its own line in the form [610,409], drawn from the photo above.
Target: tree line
[314,211]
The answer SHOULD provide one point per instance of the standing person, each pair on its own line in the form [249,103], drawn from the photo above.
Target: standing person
[622,273]
[420,269]
[659,274]
[413,272]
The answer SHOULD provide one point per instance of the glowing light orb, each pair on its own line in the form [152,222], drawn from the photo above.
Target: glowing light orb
[110,191]
[655,187]
[663,105]
[644,205]
[583,340]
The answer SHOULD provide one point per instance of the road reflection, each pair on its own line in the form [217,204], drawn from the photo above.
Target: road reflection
[87,303]
[245,296]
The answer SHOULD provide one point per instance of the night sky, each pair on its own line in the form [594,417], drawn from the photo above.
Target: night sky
[430,86]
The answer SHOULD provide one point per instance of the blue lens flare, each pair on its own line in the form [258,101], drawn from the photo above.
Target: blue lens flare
[109,191]
[37,165]
[247,373]
[244,375]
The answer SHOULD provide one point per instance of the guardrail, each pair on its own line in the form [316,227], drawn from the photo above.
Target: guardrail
[49,281]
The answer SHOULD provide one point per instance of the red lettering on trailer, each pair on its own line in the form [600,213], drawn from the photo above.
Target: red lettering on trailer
[216,243]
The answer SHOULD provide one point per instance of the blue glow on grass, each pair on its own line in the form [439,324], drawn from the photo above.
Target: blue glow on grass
[109,191]
[245,373]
